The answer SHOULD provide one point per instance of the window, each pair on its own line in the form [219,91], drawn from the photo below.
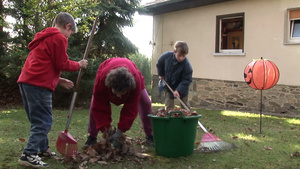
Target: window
[292,26]
[230,34]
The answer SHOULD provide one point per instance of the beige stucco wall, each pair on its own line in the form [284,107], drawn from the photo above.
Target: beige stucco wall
[264,37]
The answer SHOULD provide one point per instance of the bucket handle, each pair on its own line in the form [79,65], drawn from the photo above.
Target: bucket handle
[169,115]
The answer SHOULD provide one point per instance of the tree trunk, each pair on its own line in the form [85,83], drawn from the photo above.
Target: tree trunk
[2,20]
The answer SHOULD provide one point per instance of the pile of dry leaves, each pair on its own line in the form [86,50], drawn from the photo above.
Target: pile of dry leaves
[161,112]
[104,152]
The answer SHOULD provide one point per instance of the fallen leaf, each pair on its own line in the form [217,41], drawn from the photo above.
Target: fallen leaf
[108,155]
[91,152]
[22,139]
[137,160]
[117,158]
[58,158]
[83,163]
[102,162]
[84,157]
[268,148]
[141,155]
[93,160]
[235,137]
[134,150]
[296,153]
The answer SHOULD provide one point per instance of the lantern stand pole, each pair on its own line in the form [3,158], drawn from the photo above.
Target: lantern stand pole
[260,111]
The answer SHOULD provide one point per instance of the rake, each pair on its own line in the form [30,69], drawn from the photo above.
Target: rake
[209,142]
[65,143]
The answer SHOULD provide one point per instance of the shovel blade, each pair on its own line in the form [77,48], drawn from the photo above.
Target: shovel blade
[66,144]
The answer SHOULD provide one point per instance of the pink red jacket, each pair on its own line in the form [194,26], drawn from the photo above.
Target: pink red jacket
[102,96]
[47,59]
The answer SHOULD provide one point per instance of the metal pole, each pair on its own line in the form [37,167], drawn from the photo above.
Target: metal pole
[260,110]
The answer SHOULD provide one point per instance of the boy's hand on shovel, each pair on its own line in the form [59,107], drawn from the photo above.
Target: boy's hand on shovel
[83,63]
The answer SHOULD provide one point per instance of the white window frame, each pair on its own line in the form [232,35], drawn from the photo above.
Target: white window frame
[289,27]
[218,49]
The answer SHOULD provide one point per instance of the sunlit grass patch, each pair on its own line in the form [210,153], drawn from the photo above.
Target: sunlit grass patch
[158,105]
[246,114]
[5,111]
[9,111]
[254,137]
[293,121]
[238,114]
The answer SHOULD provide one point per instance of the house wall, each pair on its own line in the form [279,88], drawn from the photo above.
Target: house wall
[264,37]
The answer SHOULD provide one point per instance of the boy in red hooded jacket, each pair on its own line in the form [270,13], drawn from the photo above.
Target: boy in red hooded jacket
[39,78]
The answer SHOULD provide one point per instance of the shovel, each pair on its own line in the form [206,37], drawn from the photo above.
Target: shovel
[65,143]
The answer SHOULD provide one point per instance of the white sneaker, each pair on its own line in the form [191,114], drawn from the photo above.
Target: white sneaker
[32,161]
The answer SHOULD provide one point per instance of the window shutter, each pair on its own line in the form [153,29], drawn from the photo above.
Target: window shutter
[294,14]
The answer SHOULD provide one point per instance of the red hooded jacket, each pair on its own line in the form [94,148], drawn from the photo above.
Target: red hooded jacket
[47,59]
[102,96]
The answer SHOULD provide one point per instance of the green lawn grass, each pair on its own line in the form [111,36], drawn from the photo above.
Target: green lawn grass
[270,150]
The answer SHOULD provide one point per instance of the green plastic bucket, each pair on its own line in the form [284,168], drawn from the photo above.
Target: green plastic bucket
[174,136]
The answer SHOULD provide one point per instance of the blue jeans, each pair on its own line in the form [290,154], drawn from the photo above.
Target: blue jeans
[38,106]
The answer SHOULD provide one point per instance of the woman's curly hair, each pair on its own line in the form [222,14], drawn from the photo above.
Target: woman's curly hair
[120,79]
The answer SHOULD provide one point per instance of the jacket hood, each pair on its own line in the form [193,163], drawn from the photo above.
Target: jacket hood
[40,36]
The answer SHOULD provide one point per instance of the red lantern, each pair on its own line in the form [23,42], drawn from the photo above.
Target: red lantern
[261,74]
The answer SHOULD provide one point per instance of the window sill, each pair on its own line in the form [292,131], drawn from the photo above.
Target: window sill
[291,43]
[229,54]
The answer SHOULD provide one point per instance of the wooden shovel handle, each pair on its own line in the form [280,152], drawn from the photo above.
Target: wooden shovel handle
[86,53]
[80,74]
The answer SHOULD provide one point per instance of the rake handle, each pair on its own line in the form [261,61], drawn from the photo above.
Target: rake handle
[203,128]
[184,105]
[176,96]
[80,75]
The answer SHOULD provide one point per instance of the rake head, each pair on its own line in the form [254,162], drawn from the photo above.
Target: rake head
[66,144]
[212,143]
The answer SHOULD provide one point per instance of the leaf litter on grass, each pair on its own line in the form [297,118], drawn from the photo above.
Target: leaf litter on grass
[104,152]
